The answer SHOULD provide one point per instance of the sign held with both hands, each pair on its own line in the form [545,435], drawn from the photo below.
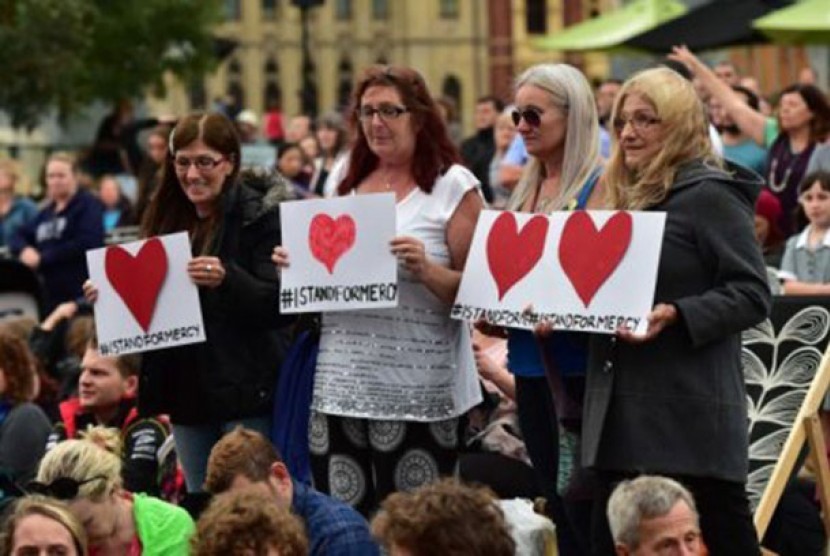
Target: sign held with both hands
[146,300]
[591,271]
[339,254]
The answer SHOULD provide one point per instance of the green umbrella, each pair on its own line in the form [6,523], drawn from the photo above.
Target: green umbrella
[613,28]
[807,22]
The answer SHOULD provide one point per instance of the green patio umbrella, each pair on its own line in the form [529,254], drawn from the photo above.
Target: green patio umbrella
[613,28]
[807,22]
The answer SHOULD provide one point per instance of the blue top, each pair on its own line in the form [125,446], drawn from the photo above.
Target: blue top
[20,213]
[570,348]
[748,154]
[333,528]
[63,238]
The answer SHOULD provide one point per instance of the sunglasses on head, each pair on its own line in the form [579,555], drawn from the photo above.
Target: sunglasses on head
[532,117]
[62,488]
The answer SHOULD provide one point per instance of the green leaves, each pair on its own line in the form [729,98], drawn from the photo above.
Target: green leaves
[63,54]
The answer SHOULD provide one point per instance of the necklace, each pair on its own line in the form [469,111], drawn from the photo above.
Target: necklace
[778,187]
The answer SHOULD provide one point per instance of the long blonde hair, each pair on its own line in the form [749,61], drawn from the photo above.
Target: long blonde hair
[685,138]
[571,92]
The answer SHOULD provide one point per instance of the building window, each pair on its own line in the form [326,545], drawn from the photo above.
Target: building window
[235,89]
[449,8]
[197,95]
[537,17]
[345,80]
[380,9]
[343,9]
[273,91]
[451,89]
[233,10]
[269,9]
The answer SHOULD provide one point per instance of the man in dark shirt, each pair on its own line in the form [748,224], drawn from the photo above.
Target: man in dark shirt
[477,151]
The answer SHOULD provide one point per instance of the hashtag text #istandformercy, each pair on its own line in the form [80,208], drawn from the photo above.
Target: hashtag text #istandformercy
[369,293]
[145,341]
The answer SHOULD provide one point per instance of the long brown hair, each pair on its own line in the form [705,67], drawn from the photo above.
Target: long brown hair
[18,366]
[434,150]
[170,210]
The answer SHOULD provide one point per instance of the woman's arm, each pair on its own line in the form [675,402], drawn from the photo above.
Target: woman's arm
[795,287]
[750,122]
[440,280]
[725,237]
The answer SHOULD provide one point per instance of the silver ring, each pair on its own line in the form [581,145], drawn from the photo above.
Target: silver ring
[209,267]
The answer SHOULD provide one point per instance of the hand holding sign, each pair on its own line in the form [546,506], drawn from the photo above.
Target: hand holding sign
[586,271]
[144,297]
[340,254]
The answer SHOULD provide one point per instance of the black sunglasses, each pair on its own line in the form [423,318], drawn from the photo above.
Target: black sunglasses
[62,488]
[532,117]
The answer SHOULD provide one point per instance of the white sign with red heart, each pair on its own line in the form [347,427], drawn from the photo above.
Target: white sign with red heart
[146,300]
[339,254]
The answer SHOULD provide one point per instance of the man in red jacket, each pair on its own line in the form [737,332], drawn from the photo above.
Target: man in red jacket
[107,394]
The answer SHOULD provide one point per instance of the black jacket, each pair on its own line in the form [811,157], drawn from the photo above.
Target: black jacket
[676,405]
[233,374]
[477,152]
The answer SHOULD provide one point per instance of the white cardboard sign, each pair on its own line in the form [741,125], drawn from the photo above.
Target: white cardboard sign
[146,300]
[339,254]
[591,271]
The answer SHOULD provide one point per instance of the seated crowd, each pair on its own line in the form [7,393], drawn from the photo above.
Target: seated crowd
[245,444]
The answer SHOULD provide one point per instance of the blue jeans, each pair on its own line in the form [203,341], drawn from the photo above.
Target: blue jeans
[194,443]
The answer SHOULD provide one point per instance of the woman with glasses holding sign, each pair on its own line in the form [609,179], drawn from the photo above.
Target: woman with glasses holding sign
[86,474]
[233,223]
[391,384]
[672,402]
[556,116]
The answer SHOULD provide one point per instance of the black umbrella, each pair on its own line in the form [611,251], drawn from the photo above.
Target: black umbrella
[719,24]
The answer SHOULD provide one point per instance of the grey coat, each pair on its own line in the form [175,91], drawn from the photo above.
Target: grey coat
[677,405]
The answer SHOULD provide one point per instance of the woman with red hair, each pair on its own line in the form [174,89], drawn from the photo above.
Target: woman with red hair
[391,384]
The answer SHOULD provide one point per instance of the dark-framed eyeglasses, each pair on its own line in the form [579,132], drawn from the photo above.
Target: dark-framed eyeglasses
[202,163]
[385,111]
[639,121]
[531,116]
[62,488]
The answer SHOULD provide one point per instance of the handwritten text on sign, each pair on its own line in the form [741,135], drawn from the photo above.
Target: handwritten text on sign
[146,299]
[586,271]
[339,254]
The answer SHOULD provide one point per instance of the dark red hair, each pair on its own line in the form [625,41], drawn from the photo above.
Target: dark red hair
[434,150]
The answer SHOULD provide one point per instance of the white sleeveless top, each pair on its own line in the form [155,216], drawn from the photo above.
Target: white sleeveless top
[411,362]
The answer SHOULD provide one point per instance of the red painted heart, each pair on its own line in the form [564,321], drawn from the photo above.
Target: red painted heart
[330,239]
[138,280]
[512,254]
[590,256]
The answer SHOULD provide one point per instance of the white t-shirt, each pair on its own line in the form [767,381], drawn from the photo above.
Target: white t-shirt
[411,362]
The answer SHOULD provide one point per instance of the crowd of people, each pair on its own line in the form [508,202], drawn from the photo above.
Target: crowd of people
[417,424]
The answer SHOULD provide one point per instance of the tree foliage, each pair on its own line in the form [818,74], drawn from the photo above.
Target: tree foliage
[64,54]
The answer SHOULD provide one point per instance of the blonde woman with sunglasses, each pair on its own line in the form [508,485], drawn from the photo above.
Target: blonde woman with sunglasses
[86,474]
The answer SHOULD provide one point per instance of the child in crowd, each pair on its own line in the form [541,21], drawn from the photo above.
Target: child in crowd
[805,268]
[118,210]
[291,163]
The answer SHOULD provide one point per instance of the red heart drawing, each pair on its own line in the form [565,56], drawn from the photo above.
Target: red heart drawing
[512,254]
[138,280]
[590,256]
[330,239]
